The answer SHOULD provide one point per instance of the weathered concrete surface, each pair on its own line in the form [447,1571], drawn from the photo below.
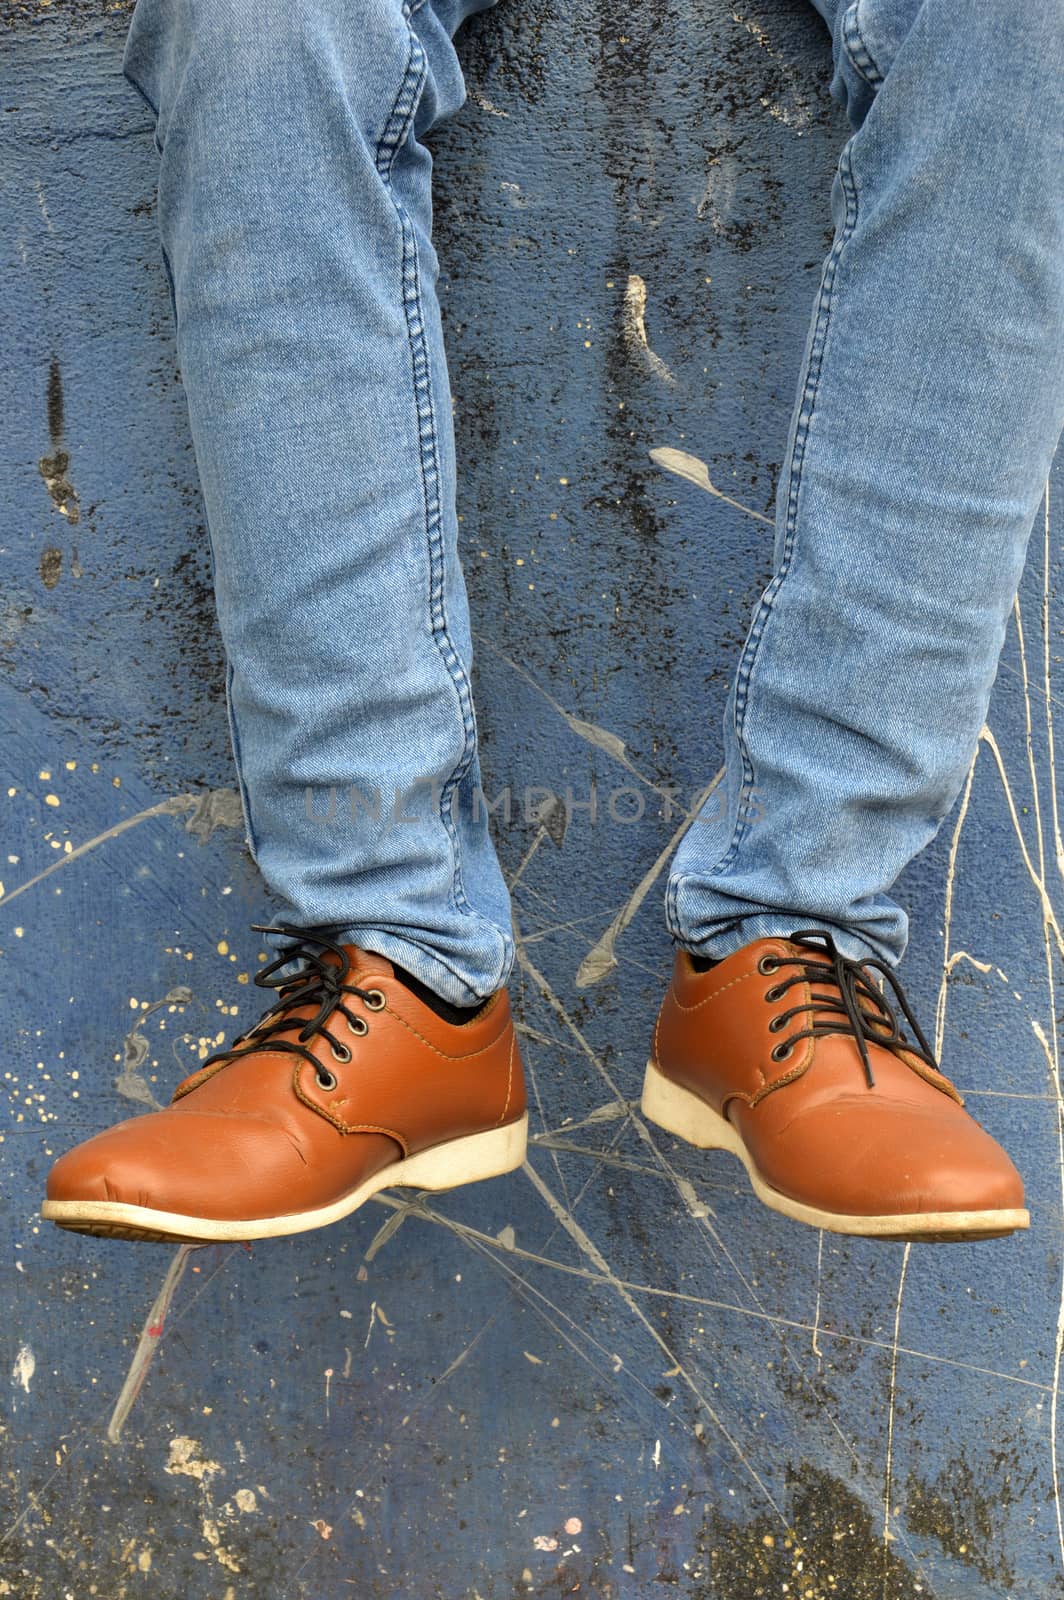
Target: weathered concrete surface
[614,1374]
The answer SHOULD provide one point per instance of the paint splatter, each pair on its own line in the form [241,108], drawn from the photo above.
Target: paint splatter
[24,1368]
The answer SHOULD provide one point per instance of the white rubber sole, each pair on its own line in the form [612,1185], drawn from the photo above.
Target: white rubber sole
[679,1111]
[445,1166]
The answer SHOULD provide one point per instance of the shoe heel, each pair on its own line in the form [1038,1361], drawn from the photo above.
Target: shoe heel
[679,1111]
[479,1155]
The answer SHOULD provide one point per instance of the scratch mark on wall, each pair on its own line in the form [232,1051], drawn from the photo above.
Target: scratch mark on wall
[816,1313]
[799,114]
[42,205]
[479,98]
[634,328]
[708,1303]
[1049,1040]
[147,1344]
[587,1246]
[210,809]
[892,1389]
[602,957]
[601,738]
[1058,842]
[1050,917]
[695,471]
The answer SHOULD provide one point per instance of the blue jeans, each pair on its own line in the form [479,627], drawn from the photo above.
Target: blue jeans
[295,215]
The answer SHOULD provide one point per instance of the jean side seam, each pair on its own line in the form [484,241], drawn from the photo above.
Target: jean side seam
[806,408]
[234,740]
[396,131]
[858,51]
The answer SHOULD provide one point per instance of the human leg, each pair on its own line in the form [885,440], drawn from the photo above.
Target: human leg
[929,405]
[295,215]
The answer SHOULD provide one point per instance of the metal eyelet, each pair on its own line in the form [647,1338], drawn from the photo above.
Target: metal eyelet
[776,1024]
[768,964]
[375,1000]
[775,993]
[359,1026]
[326,1080]
[780,1052]
[341,1054]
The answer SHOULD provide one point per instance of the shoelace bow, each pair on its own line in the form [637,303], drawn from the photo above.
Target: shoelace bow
[320,982]
[842,1012]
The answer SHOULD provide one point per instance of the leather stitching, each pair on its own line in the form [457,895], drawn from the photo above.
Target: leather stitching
[509,1080]
[722,990]
[467,1055]
[337,1121]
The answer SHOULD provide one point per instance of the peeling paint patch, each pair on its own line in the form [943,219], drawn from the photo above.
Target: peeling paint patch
[54,469]
[186,1459]
[633,323]
[24,1368]
[50,566]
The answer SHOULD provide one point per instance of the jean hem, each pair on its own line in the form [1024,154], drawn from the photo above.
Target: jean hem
[781,925]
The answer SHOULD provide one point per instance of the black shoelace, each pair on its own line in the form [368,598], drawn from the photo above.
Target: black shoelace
[841,1011]
[319,982]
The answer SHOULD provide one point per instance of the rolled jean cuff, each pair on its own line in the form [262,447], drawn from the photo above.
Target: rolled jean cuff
[731,936]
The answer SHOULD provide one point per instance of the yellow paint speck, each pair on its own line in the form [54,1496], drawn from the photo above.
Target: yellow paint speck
[51,799]
[222,947]
[116,782]
[44,776]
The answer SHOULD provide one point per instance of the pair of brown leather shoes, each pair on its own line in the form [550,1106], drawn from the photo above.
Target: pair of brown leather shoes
[785,1053]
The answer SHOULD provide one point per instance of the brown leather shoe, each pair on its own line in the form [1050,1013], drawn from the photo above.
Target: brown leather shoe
[348,1085]
[787,1054]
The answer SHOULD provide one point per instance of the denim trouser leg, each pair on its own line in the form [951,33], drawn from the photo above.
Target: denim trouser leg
[295,213]
[930,402]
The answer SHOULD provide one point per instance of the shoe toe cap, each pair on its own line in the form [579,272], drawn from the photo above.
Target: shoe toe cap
[109,1166]
[190,1164]
[875,1159]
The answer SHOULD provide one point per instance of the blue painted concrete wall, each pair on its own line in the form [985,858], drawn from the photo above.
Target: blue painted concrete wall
[614,1374]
